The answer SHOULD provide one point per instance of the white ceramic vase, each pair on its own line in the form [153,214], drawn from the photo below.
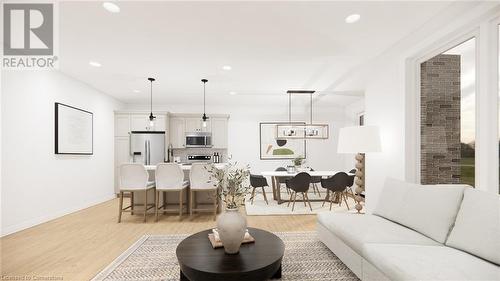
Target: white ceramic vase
[231,226]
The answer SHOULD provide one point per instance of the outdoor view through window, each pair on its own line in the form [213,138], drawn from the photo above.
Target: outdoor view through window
[448,109]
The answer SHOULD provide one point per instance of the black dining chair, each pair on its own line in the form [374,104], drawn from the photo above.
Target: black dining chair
[353,171]
[282,180]
[350,184]
[299,184]
[255,182]
[336,186]
[314,181]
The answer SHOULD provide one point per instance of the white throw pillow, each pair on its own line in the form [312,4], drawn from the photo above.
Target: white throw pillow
[477,228]
[428,209]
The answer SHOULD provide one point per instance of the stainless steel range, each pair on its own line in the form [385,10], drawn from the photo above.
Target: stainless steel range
[199,158]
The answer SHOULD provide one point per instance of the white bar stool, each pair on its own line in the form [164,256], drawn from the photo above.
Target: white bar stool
[134,178]
[199,180]
[169,178]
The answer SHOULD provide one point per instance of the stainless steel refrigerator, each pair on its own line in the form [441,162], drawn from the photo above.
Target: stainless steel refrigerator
[147,147]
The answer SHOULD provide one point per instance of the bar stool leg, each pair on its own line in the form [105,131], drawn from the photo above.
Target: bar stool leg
[132,202]
[253,195]
[145,204]
[156,205]
[191,199]
[180,204]
[121,207]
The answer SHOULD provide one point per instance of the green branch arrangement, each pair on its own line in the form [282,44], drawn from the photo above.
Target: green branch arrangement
[232,183]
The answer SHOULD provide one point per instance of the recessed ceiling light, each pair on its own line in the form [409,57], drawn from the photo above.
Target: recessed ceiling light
[232,93]
[227,67]
[111,7]
[94,64]
[137,91]
[352,18]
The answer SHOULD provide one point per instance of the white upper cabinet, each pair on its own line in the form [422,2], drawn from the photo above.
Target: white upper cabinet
[122,125]
[195,124]
[219,132]
[140,122]
[177,132]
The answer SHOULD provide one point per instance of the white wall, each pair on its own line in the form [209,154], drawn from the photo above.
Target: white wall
[243,132]
[391,105]
[38,185]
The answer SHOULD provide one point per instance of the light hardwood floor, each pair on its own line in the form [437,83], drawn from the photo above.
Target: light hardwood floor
[79,245]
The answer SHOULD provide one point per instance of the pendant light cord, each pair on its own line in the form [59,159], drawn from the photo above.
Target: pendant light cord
[151,99]
[289,108]
[311,102]
[204,83]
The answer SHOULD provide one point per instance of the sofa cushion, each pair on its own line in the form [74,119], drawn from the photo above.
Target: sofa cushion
[477,227]
[355,230]
[428,209]
[413,262]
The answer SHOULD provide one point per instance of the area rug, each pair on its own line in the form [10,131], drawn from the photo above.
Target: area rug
[153,257]
[261,208]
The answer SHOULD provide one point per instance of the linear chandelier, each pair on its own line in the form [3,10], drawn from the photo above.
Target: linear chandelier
[294,130]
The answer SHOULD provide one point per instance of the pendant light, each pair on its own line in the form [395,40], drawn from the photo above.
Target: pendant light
[204,118]
[300,130]
[151,116]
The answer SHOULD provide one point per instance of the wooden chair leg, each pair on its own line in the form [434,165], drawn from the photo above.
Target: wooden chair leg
[191,199]
[331,199]
[216,199]
[265,197]
[120,207]
[304,198]
[253,195]
[326,197]
[145,204]
[309,202]
[180,204]
[345,200]
[289,201]
[294,197]
[156,203]
[132,202]
[164,205]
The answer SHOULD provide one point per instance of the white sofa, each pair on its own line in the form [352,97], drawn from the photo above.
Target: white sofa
[419,232]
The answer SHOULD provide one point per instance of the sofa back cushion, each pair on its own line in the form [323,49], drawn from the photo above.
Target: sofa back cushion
[428,209]
[477,227]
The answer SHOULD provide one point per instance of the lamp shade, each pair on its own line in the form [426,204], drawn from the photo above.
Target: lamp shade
[359,139]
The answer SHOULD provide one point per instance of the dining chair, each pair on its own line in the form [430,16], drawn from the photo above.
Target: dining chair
[257,181]
[299,184]
[314,181]
[282,180]
[169,177]
[199,181]
[336,186]
[134,178]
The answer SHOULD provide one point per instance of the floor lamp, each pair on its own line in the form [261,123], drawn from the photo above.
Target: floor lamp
[359,140]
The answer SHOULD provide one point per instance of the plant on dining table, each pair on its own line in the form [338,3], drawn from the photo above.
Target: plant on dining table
[231,182]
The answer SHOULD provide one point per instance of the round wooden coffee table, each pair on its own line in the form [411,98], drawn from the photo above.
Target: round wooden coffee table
[256,261]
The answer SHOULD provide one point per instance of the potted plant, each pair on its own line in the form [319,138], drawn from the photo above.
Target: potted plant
[232,185]
[298,161]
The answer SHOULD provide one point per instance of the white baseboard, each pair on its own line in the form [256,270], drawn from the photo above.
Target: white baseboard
[45,218]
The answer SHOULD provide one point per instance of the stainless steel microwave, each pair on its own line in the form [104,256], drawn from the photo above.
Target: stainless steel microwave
[199,139]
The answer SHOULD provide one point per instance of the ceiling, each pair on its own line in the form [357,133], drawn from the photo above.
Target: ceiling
[270,46]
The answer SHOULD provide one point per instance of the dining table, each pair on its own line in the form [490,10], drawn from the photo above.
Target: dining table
[275,175]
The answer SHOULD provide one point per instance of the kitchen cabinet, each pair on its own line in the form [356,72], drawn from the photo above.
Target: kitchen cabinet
[177,132]
[122,155]
[141,123]
[122,125]
[219,132]
[195,124]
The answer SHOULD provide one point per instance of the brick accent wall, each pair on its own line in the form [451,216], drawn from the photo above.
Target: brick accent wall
[440,120]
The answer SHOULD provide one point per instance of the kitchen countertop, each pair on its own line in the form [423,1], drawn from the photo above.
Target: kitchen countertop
[186,166]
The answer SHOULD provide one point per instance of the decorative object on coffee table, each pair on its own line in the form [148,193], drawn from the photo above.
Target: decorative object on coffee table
[231,224]
[359,139]
[257,261]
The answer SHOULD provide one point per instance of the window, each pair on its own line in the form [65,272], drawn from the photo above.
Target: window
[447,121]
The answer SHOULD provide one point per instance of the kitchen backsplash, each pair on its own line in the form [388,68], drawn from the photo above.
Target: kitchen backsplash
[184,152]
